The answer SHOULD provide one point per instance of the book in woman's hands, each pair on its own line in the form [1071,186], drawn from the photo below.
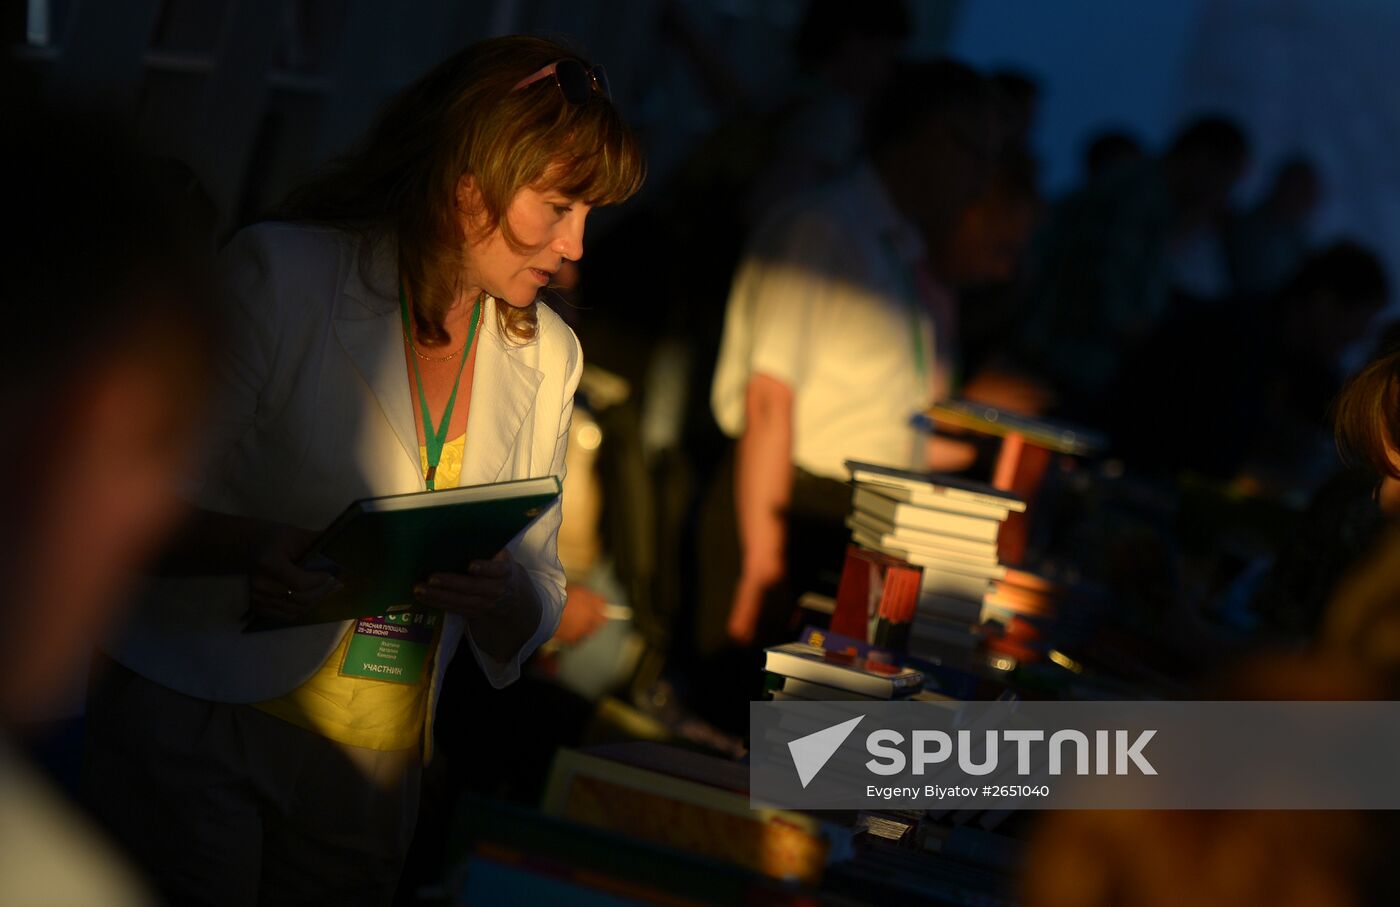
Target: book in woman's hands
[379,548]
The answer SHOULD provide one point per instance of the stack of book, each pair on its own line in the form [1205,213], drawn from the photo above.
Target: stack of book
[798,671]
[944,527]
[1023,603]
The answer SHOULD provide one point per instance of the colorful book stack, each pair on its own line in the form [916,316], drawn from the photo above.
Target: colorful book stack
[943,528]
[805,672]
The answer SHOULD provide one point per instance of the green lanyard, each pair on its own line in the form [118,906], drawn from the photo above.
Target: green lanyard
[913,298]
[436,437]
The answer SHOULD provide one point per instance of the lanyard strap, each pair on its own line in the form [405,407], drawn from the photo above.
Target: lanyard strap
[914,298]
[436,438]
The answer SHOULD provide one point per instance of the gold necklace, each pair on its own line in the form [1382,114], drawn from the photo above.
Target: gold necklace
[413,346]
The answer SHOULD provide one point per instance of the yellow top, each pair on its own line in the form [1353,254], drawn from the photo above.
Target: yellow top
[357,711]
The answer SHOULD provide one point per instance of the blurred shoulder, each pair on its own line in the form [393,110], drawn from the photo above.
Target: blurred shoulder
[294,240]
[290,268]
[290,251]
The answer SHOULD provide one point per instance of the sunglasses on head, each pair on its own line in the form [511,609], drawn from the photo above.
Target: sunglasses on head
[577,83]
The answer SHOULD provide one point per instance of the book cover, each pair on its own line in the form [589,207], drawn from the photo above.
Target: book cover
[948,487]
[499,853]
[839,642]
[859,591]
[1061,437]
[686,815]
[378,548]
[843,671]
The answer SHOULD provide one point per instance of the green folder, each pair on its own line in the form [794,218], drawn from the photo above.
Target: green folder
[379,548]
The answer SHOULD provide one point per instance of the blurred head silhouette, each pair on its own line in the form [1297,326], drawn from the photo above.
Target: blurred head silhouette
[1332,299]
[935,138]
[993,232]
[1203,164]
[853,46]
[101,366]
[1111,152]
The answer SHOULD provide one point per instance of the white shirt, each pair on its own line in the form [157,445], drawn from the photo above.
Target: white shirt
[826,300]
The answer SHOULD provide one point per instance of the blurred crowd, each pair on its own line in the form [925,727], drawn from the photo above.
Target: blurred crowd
[1207,339]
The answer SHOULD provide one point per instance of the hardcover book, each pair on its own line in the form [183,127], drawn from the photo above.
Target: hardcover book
[379,548]
[947,491]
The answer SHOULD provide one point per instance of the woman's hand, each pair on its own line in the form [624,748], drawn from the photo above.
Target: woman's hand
[280,590]
[495,596]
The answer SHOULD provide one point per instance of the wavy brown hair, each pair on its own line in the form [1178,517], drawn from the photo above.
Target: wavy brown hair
[1366,416]
[464,118]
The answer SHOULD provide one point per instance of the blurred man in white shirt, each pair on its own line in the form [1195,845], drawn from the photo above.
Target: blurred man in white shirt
[837,333]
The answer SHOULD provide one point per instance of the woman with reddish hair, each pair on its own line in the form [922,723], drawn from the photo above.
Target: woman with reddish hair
[385,337]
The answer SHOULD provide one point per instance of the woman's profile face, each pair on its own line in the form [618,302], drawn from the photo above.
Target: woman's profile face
[549,227]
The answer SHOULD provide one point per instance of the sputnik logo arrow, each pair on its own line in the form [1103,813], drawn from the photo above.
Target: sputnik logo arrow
[810,753]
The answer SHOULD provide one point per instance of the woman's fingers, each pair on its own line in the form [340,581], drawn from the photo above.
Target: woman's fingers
[272,596]
[277,562]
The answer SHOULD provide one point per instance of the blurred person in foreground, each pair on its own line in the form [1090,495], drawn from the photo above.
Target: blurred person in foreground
[1347,519]
[1229,858]
[385,338]
[1362,618]
[836,333]
[1367,421]
[1253,857]
[100,391]
[1346,524]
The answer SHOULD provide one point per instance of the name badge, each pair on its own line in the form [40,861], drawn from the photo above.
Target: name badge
[392,647]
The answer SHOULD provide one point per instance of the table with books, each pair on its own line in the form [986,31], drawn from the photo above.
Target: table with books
[925,612]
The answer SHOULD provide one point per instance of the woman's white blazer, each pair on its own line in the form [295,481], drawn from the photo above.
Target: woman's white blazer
[312,410]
